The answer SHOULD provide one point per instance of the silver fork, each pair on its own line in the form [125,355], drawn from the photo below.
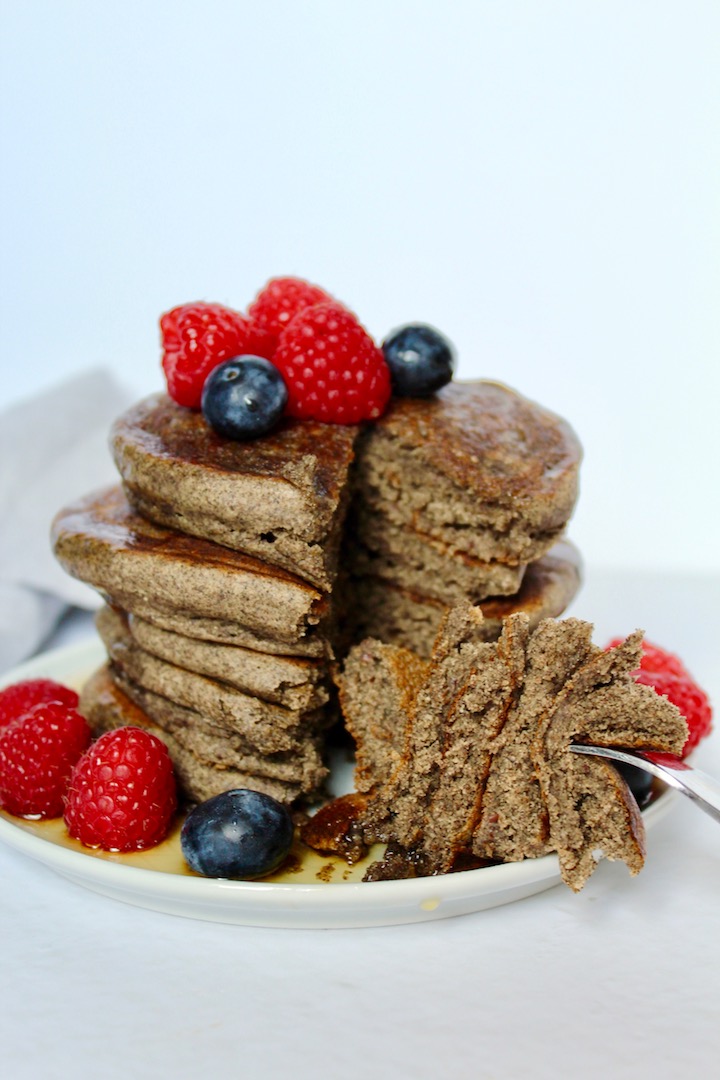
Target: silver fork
[698,786]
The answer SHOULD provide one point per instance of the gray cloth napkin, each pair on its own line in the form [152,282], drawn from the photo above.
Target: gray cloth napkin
[53,449]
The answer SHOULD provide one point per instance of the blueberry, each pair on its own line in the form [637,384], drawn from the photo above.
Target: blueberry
[639,781]
[420,359]
[237,834]
[244,397]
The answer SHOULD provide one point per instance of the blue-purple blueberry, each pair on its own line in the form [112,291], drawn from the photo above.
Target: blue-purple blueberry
[244,398]
[238,834]
[420,359]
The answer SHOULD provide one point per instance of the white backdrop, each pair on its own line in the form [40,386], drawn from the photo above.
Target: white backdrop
[538,179]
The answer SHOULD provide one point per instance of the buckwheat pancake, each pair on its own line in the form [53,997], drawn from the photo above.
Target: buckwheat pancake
[106,706]
[374,607]
[313,645]
[235,570]
[480,763]
[286,680]
[139,565]
[477,466]
[405,557]
[302,763]
[280,498]
[261,724]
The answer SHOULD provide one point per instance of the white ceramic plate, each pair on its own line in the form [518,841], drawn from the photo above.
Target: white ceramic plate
[334,901]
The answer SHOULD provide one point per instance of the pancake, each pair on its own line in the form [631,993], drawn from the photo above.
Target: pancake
[373,607]
[479,766]
[280,498]
[286,680]
[261,724]
[235,572]
[102,541]
[405,557]
[477,466]
[106,707]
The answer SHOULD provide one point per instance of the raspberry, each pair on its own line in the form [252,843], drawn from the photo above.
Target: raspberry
[18,699]
[37,755]
[281,299]
[692,702]
[668,675]
[333,370]
[198,337]
[122,792]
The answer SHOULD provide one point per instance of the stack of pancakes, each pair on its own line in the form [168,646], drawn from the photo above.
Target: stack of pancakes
[460,499]
[237,573]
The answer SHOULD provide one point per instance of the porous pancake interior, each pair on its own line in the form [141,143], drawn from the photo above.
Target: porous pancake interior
[484,761]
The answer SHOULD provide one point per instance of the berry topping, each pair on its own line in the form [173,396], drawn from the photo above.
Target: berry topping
[37,755]
[238,834]
[333,370]
[280,300]
[690,700]
[18,699]
[198,337]
[420,359]
[244,397]
[667,674]
[122,792]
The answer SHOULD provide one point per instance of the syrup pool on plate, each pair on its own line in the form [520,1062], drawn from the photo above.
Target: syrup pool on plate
[302,866]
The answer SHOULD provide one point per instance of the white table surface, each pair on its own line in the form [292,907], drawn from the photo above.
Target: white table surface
[620,980]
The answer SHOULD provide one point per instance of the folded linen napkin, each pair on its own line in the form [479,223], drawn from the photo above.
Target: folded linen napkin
[53,449]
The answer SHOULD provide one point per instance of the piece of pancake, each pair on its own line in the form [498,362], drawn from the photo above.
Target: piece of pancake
[141,566]
[589,805]
[481,765]
[395,812]
[477,466]
[225,631]
[280,498]
[291,681]
[106,707]
[374,607]
[387,680]
[267,727]
[377,547]
[214,745]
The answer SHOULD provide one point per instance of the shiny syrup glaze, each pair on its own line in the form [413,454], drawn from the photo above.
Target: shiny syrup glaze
[168,432]
[489,440]
[108,520]
[302,866]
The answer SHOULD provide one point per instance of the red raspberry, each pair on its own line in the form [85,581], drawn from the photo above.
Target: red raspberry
[198,337]
[667,674]
[18,699]
[37,755]
[333,370]
[692,702]
[281,299]
[122,792]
